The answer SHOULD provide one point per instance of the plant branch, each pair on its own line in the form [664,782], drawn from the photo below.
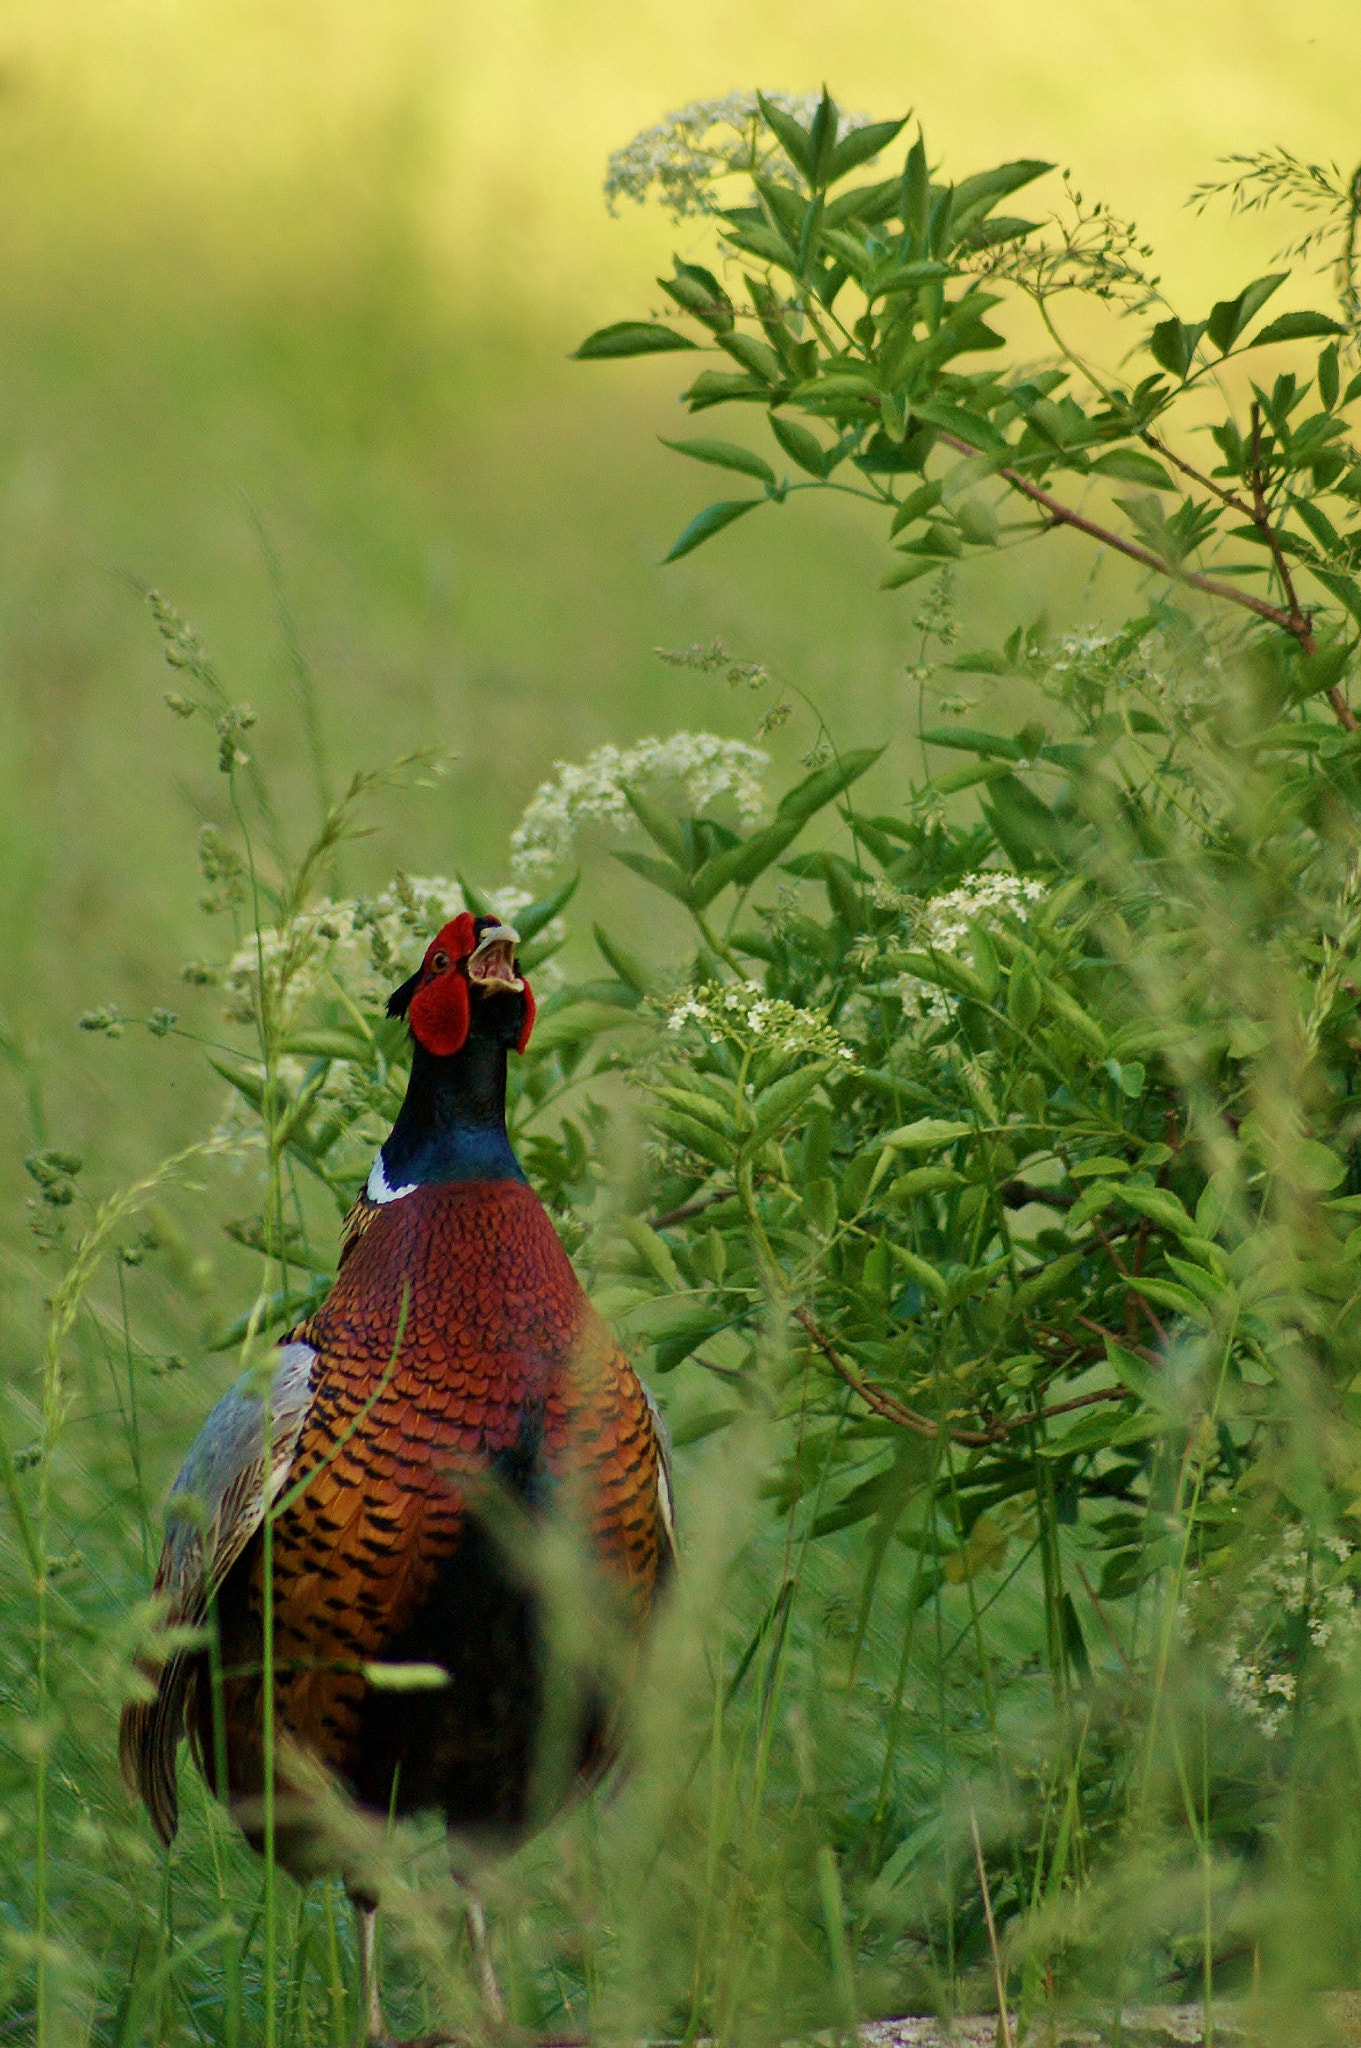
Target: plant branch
[1292,621]
[1301,625]
[689,1209]
[891,1409]
[1229,498]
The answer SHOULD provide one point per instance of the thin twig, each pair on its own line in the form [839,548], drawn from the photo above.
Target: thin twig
[1261,519]
[689,1209]
[1229,498]
[998,1972]
[1126,1343]
[1100,1611]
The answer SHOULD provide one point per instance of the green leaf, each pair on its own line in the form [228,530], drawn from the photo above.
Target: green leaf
[1230,316]
[1160,1205]
[926,1275]
[1169,1294]
[530,921]
[970,740]
[795,140]
[1319,525]
[757,239]
[654,1250]
[927,1134]
[724,455]
[723,387]
[910,571]
[662,874]
[972,427]
[1067,1008]
[1037,1285]
[942,970]
[1024,823]
[405,1677]
[1025,997]
[1104,1163]
[626,965]
[328,1042]
[997,184]
[700,293]
[247,1081]
[579,1021]
[1297,327]
[1133,468]
[924,1180]
[287,1306]
[743,864]
[860,145]
[915,207]
[800,445]
[903,277]
[1173,344]
[710,521]
[694,1135]
[867,204]
[777,1105]
[977,521]
[718,1114]
[671,1319]
[754,355]
[818,788]
[1344,588]
[630,338]
[661,828]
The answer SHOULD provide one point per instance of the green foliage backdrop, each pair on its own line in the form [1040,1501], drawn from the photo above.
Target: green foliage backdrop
[972,1166]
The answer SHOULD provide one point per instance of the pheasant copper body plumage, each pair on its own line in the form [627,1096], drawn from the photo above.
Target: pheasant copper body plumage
[455,1385]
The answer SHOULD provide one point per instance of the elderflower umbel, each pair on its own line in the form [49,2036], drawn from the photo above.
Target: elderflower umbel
[686,151]
[365,944]
[361,946]
[1252,1649]
[705,766]
[740,1013]
[941,925]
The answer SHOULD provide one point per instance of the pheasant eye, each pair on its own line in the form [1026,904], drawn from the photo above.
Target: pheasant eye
[440,962]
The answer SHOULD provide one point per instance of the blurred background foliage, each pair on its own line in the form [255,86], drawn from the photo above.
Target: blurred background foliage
[286,302]
[317,271]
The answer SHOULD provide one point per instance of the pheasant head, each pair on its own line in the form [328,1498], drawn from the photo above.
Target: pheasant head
[468,985]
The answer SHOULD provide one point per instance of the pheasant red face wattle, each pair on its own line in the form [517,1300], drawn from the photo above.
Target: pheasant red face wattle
[469,958]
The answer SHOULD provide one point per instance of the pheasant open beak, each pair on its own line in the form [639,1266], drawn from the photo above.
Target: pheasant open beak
[491,964]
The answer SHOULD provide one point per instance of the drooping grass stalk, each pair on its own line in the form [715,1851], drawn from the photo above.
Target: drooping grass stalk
[335,1979]
[134,1422]
[231,1951]
[834,1920]
[65,1309]
[267,1736]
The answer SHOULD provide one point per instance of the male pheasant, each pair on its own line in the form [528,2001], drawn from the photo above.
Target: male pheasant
[455,1384]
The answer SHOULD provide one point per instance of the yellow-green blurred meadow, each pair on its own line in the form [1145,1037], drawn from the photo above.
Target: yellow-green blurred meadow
[317,270]
[288,295]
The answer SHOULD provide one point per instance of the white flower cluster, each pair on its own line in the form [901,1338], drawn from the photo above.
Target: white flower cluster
[941,925]
[740,1013]
[364,944]
[705,766]
[361,946]
[1286,1585]
[684,153]
[1093,664]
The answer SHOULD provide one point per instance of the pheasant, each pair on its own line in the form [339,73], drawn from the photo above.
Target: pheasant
[455,1384]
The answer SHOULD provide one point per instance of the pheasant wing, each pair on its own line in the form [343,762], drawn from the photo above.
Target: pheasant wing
[234,1473]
